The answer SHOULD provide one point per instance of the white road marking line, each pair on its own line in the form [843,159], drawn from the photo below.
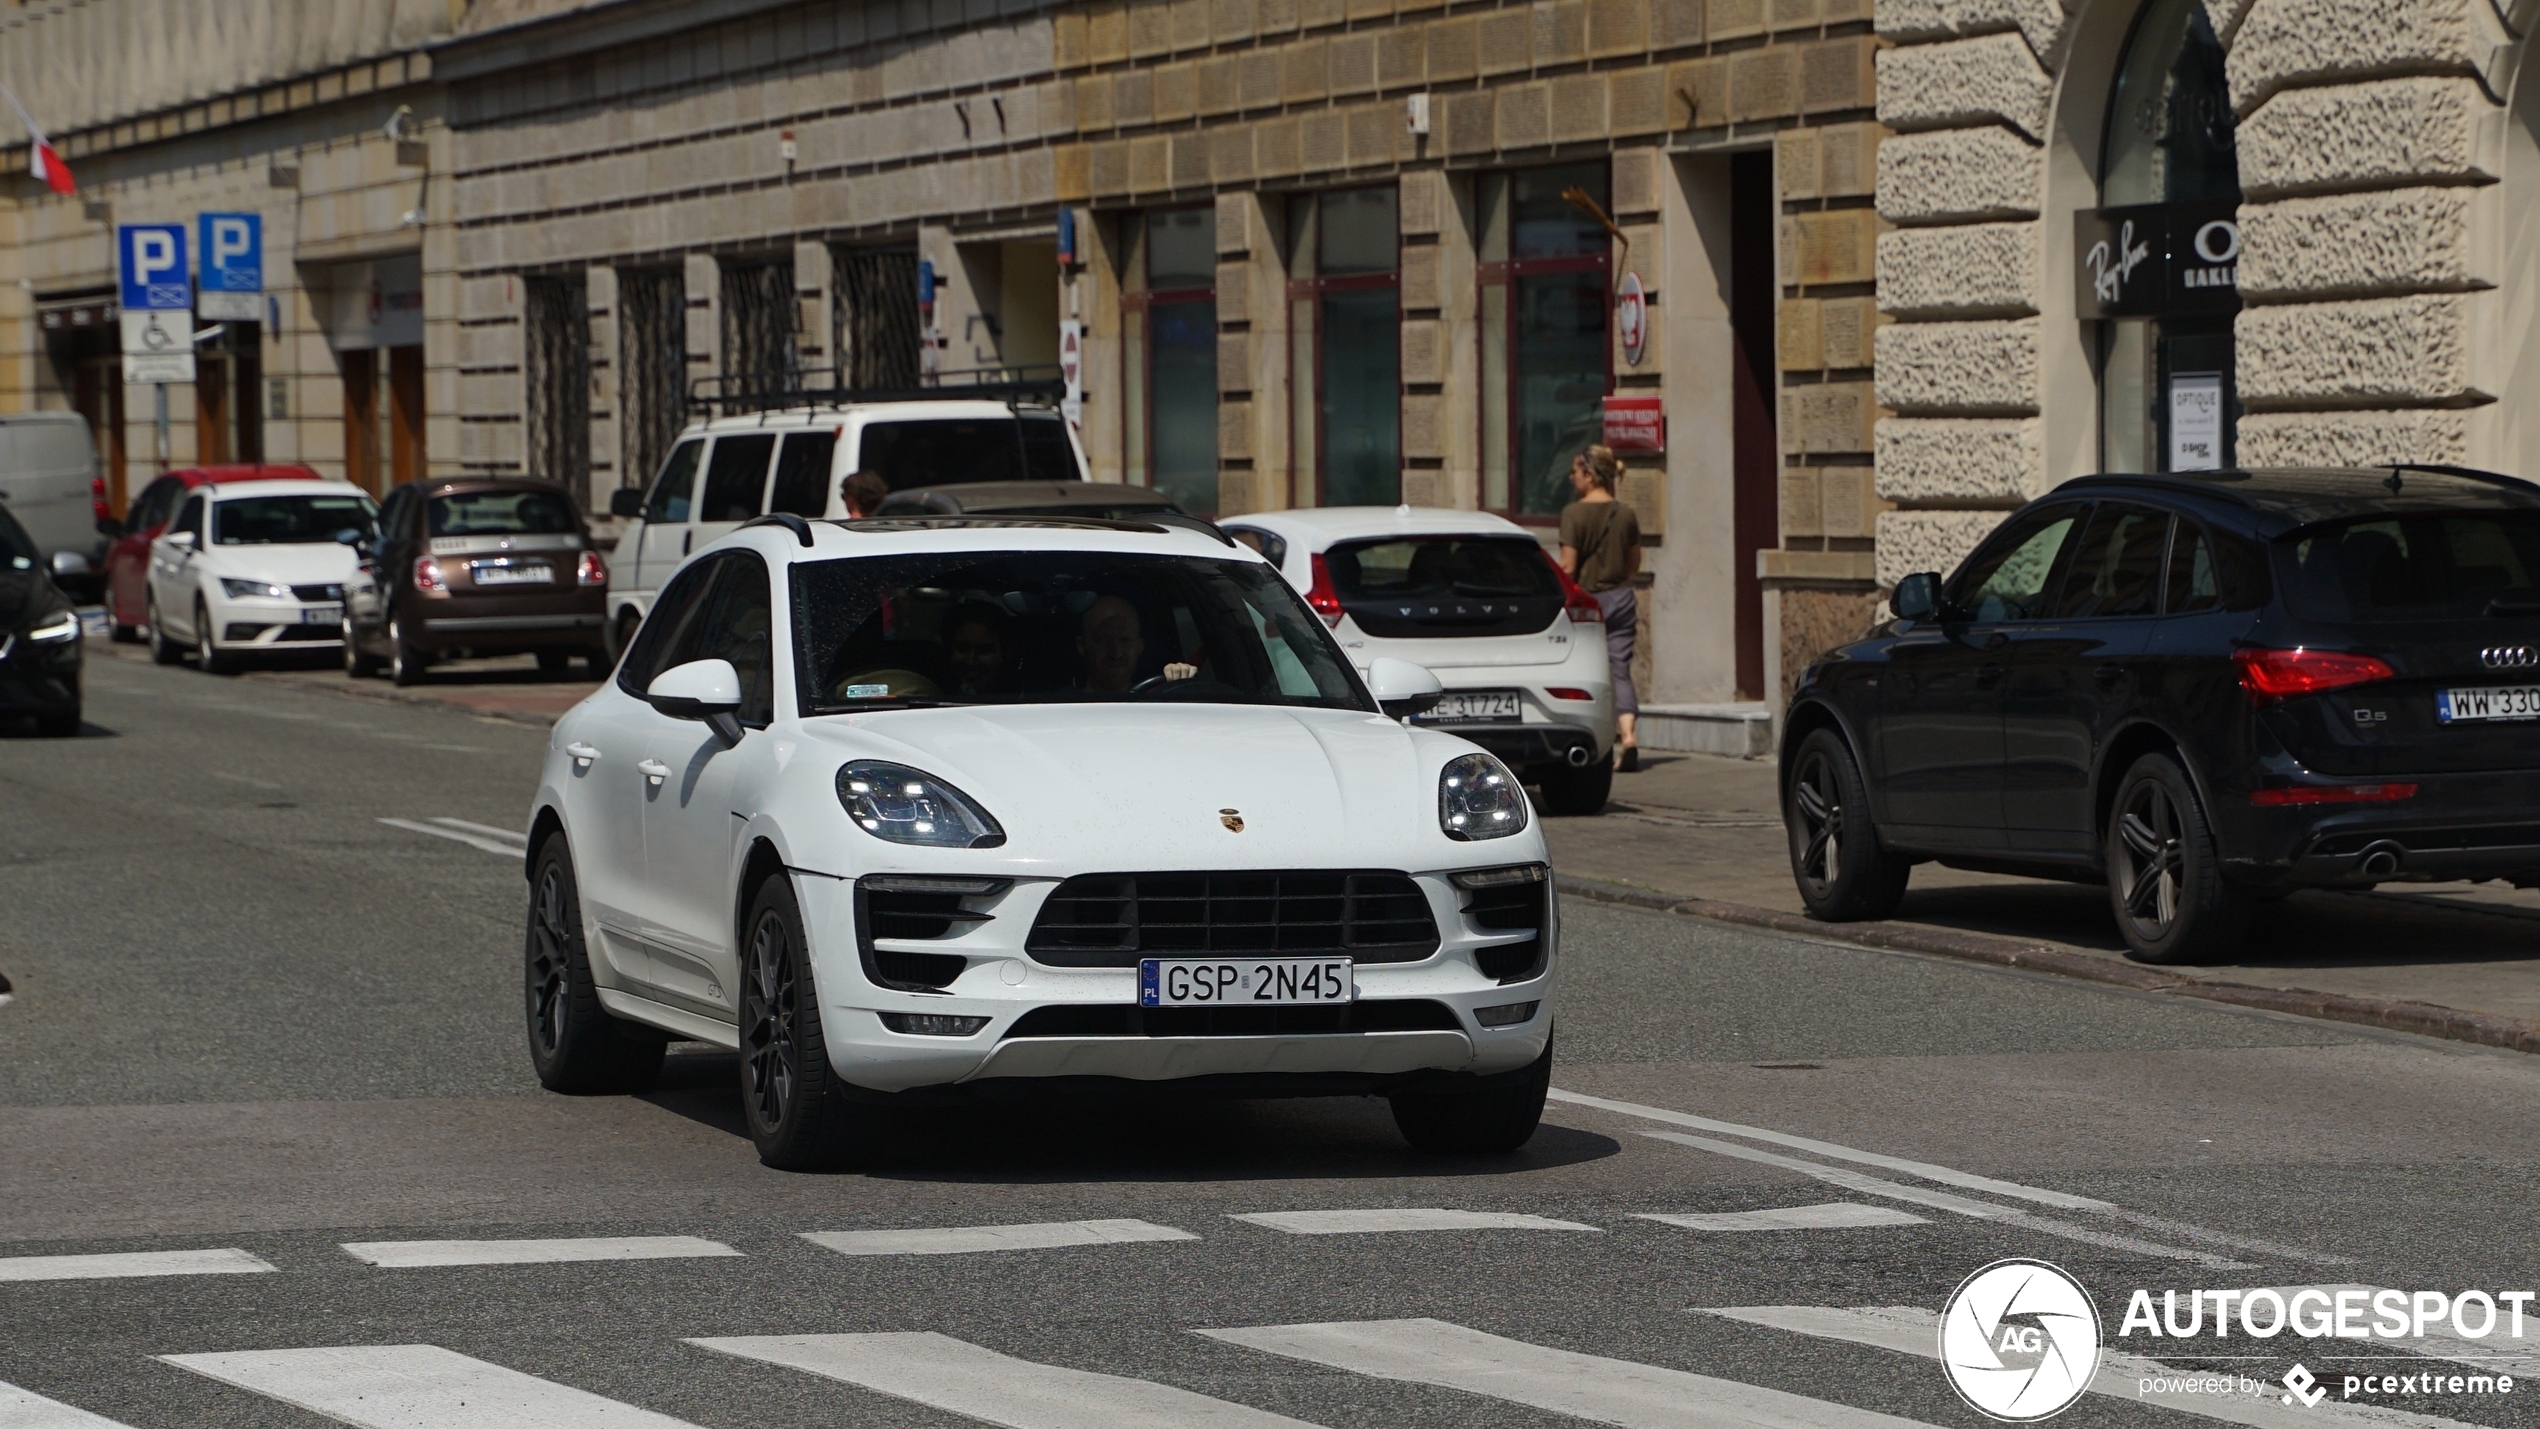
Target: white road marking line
[26,1409]
[243,779]
[471,840]
[1834,1215]
[1948,1176]
[1409,1218]
[405,1254]
[966,1379]
[1965,1180]
[1911,1330]
[489,830]
[417,1387]
[123,1265]
[1609,1391]
[965,1240]
[1957,1205]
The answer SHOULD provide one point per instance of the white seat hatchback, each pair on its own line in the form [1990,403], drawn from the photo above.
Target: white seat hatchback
[917,808]
[255,567]
[1476,599]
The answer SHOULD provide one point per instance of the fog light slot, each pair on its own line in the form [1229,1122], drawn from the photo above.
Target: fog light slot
[935,1024]
[1507,1014]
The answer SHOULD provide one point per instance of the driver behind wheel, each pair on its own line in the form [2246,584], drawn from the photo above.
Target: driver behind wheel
[1109,642]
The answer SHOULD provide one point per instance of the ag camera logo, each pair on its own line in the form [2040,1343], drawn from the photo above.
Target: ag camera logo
[2019,1340]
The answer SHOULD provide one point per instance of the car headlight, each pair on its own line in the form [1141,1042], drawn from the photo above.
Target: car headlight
[906,806]
[1479,799]
[236,589]
[64,626]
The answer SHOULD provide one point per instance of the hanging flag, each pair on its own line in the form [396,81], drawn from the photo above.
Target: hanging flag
[43,160]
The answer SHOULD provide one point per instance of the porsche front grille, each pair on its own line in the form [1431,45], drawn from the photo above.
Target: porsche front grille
[1107,920]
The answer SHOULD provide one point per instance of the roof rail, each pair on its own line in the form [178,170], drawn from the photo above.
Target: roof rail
[1153,524]
[787,519]
[2466,473]
[735,394]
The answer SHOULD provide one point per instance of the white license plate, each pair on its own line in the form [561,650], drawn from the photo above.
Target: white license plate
[514,575]
[322,615]
[1474,706]
[1242,982]
[2495,702]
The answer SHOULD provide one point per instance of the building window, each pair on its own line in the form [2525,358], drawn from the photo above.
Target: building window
[1345,330]
[1546,363]
[559,384]
[2170,170]
[652,368]
[759,316]
[873,318]
[1180,302]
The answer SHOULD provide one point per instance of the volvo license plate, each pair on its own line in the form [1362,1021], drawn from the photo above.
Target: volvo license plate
[2497,702]
[1475,707]
[1241,982]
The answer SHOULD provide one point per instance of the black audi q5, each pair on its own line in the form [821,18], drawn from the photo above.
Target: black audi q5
[2207,690]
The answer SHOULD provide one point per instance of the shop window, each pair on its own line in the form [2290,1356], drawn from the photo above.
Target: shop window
[1546,363]
[559,382]
[652,368]
[1345,330]
[2167,243]
[1179,303]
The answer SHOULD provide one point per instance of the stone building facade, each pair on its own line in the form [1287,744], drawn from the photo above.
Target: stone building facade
[2376,160]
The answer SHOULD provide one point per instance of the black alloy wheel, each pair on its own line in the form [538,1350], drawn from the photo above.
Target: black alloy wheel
[2165,879]
[358,663]
[1577,793]
[789,1095]
[1843,874]
[1491,1115]
[207,655]
[405,662]
[163,651]
[575,1046]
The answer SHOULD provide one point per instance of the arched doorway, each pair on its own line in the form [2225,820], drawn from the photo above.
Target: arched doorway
[2158,258]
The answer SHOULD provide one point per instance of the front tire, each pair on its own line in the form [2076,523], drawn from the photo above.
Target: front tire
[790,1096]
[553,663]
[1576,793]
[1499,1115]
[207,655]
[405,662]
[2165,878]
[358,663]
[62,724]
[1844,876]
[575,1046]
[163,651]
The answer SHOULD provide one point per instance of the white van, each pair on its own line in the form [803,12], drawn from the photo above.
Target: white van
[48,465]
[728,470]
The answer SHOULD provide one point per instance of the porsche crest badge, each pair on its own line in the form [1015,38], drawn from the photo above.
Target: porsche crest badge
[1233,819]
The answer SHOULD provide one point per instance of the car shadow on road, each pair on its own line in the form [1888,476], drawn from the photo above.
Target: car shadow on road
[1096,1136]
[24,729]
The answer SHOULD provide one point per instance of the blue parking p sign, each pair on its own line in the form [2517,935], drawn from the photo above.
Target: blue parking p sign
[233,255]
[151,257]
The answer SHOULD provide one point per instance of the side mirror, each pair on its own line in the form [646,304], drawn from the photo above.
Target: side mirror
[1917,596]
[109,527]
[1403,689]
[626,501]
[183,540]
[708,690]
[70,563]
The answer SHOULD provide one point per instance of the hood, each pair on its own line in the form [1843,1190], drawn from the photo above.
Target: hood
[1148,783]
[25,598]
[310,564]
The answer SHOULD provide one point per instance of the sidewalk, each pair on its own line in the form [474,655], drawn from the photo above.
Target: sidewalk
[1704,835]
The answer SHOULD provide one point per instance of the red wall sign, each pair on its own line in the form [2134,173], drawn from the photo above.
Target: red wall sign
[1635,424]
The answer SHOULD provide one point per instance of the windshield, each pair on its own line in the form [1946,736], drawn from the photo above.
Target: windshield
[289,520]
[961,449]
[2430,567]
[503,513]
[1058,627]
[1407,586]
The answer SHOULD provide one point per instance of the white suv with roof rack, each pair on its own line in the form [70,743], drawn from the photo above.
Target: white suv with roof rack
[786,452]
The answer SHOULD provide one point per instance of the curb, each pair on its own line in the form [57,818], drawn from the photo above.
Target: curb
[2422,1018]
[384,694]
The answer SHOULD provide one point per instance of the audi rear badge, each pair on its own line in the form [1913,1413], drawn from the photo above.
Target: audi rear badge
[2509,657]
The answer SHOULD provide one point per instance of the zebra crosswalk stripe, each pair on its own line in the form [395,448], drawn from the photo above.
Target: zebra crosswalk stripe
[127,1264]
[966,1379]
[408,1254]
[1915,1331]
[1609,1391]
[26,1409]
[964,1240]
[417,1387]
[1403,1218]
[1833,1215]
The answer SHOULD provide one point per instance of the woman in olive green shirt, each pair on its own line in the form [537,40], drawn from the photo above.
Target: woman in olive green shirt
[1600,548]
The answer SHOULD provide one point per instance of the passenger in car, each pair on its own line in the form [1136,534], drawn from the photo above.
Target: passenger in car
[979,647]
[1110,643]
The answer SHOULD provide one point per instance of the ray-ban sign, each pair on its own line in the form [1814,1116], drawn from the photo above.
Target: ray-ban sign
[2151,259]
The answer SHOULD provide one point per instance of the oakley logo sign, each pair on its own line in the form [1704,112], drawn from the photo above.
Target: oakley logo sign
[2509,657]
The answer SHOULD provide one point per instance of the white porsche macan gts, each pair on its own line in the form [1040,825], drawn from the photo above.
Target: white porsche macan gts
[948,807]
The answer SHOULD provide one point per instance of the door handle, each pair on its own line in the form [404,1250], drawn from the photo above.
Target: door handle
[685,537]
[652,769]
[582,754]
[1987,676]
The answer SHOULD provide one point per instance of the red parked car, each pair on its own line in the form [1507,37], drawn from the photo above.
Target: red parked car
[128,552]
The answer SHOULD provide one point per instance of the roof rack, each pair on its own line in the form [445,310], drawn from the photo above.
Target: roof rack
[1153,524]
[735,394]
[791,522]
[2466,473]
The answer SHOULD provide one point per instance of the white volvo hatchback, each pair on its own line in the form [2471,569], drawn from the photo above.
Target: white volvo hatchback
[902,809]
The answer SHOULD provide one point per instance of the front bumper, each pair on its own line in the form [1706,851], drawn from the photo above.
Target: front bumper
[38,679]
[2456,826]
[264,623]
[1003,983]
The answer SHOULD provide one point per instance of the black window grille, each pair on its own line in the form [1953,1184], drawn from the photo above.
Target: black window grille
[760,316]
[652,368]
[559,381]
[874,334]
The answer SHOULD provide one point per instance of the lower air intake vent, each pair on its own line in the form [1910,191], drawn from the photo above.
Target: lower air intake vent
[1111,920]
[906,910]
[1510,907]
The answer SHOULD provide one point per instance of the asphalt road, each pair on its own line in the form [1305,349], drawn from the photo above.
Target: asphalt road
[254,1019]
